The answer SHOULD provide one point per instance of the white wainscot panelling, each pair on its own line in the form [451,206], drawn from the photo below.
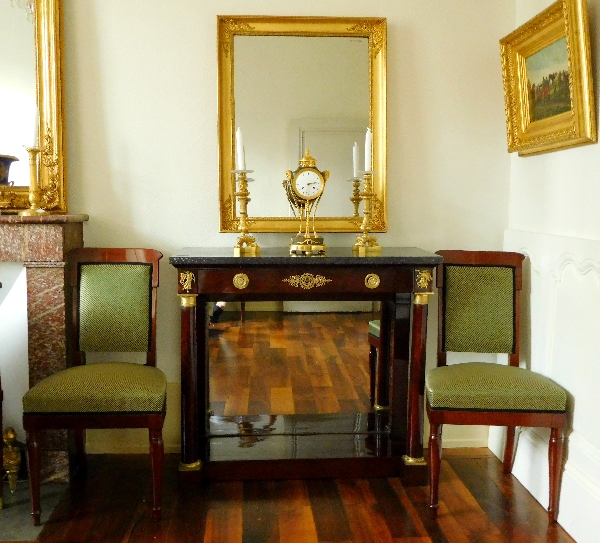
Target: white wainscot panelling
[561,339]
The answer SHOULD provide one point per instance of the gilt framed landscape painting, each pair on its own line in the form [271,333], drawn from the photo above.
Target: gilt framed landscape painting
[548,87]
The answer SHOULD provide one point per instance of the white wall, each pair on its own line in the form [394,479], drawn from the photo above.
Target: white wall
[141,108]
[553,218]
[13,342]
[140,80]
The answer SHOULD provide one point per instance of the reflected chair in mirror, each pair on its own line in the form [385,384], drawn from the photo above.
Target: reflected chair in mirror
[113,311]
[479,307]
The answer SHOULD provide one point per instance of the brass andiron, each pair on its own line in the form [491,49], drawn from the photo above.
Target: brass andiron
[35,208]
[11,458]
[366,244]
[246,244]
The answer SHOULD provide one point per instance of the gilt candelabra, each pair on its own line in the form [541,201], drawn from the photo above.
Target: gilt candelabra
[365,243]
[246,244]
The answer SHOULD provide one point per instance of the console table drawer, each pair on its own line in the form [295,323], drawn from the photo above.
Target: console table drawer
[292,280]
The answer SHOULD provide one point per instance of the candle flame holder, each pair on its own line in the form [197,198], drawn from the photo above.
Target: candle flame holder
[246,243]
[365,243]
[35,207]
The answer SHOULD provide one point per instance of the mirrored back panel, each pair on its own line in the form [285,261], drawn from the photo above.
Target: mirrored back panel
[292,84]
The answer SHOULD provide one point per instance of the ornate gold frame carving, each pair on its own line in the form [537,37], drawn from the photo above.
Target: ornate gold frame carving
[52,181]
[563,19]
[375,30]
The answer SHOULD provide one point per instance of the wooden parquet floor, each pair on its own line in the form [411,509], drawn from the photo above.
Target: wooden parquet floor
[478,504]
[281,368]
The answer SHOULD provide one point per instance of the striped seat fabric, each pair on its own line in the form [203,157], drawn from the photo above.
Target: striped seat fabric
[492,387]
[106,387]
[374,327]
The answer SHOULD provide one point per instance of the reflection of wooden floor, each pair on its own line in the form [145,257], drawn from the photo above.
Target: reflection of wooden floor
[289,363]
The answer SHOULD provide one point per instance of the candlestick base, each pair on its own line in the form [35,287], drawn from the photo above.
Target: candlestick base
[366,246]
[246,246]
[33,212]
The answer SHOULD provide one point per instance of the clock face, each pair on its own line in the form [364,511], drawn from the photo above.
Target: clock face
[308,184]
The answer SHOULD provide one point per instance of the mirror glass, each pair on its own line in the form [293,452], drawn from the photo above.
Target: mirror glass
[293,84]
[18,101]
[300,108]
[31,101]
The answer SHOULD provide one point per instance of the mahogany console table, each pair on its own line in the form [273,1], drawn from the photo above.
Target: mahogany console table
[381,443]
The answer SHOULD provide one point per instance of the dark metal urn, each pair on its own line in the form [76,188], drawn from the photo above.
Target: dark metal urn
[5,162]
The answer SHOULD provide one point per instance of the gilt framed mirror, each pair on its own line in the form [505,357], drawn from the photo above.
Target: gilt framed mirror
[31,82]
[292,84]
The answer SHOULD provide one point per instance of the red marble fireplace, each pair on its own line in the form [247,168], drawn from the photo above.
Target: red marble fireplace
[42,244]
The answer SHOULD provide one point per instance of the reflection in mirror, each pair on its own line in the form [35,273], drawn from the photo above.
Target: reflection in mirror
[314,94]
[23,91]
[18,104]
[294,84]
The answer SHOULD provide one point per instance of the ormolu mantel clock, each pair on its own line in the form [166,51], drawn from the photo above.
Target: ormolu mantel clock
[304,188]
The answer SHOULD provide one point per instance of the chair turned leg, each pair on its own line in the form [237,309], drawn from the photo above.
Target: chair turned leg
[435,459]
[509,450]
[372,372]
[157,458]
[34,461]
[555,457]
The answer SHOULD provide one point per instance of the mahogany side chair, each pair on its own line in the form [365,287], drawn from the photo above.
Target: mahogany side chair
[479,309]
[113,311]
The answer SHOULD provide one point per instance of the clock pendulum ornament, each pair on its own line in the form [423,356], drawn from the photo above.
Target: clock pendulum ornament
[304,189]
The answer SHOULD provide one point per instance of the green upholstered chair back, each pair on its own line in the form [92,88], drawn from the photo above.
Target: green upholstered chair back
[115,307]
[479,309]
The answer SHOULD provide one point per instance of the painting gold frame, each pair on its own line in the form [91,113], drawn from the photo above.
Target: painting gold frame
[577,126]
[52,182]
[372,28]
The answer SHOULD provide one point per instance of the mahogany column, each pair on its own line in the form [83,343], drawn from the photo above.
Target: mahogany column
[42,244]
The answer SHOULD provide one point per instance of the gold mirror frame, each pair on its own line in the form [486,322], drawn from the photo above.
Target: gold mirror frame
[372,28]
[47,21]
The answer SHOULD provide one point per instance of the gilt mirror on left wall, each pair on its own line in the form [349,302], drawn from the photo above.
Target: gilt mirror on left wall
[30,82]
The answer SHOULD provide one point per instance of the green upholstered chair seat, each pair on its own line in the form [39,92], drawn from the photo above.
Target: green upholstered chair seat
[492,387]
[111,387]
[374,327]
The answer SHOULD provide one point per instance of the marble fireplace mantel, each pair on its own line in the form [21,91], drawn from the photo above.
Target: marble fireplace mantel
[42,244]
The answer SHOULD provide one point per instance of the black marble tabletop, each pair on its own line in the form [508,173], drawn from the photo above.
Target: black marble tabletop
[211,256]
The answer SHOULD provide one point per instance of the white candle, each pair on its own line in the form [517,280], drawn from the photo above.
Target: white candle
[35,140]
[240,154]
[368,144]
[355,159]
